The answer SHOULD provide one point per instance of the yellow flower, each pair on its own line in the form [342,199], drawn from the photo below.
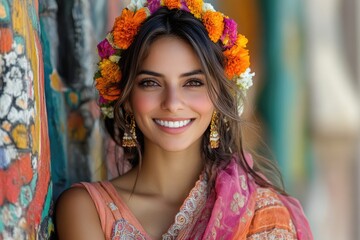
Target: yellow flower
[195,7]
[126,26]
[237,58]
[171,4]
[214,23]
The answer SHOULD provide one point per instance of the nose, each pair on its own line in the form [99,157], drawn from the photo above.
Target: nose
[172,100]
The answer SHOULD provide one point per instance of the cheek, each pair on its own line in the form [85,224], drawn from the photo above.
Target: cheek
[142,102]
[202,103]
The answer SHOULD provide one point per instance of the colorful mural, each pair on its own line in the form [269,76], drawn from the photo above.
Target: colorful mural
[25,193]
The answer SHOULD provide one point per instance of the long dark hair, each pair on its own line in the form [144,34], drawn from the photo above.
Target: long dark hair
[224,93]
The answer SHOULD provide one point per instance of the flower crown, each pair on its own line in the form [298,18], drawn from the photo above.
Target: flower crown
[126,26]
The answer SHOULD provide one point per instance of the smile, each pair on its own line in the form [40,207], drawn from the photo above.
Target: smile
[172,124]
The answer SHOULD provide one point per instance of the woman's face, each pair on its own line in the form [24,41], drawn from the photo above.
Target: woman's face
[169,99]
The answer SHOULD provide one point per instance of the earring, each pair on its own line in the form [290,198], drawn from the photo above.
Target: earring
[214,134]
[129,140]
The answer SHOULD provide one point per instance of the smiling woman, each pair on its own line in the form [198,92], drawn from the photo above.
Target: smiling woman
[170,90]
[171,81]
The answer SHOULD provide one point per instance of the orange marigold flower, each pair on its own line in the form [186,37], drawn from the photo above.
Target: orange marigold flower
[109,70]
[171,4]
[126,26]
[195,7]
[107,84]
[214,23]
[109,92]
[237,58]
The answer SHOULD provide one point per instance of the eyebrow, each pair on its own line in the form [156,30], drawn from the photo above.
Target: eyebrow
[155,74]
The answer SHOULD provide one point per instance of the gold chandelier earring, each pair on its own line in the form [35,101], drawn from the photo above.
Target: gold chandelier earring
[214,134]
[129,139]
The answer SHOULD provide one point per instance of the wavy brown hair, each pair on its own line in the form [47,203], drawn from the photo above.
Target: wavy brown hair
[224,94]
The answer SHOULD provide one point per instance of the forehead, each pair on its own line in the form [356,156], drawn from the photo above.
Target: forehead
[171,54]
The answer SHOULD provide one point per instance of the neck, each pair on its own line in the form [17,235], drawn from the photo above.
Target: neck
[170,175]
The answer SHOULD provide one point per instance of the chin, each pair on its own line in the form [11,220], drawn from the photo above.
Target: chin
[175,147]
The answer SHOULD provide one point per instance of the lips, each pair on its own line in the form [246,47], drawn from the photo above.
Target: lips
[172,124]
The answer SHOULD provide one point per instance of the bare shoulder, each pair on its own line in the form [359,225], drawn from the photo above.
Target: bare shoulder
[76,216]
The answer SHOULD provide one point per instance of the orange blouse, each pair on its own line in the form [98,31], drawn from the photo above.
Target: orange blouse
[271,217]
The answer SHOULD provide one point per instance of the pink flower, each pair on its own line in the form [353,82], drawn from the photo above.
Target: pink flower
[102,100]
[153,5]
[105,49]
[229,35]
[184,6]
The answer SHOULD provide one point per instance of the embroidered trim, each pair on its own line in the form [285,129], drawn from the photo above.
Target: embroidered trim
[124,230]
[266,197]
[275,233]
[190,209]
[112,206]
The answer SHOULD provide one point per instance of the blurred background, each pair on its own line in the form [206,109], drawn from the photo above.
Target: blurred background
[306,55]
[303,110]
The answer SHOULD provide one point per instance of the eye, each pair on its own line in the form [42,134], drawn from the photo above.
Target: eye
[145,83]
[195,83]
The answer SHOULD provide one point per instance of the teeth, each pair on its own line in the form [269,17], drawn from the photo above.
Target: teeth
[172,124]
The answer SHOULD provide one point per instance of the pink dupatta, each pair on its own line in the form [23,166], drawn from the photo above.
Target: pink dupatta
[229,209]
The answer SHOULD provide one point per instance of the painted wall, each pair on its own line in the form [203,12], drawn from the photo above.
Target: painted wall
[25,192]
[50,132]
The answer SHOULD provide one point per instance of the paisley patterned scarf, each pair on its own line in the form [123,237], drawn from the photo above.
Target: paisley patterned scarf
[229,212]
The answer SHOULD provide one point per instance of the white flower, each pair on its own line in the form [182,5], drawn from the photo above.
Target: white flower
[4,136]
[23,62]
[6,215]
[11,216]
[19,233]
[13,82]
[10,59]
[22,101]
[5,105]
[18,47]
[11,152]
[108,111]
[245,79]
[114,58]
[19,116]
[208,7]
[136,5]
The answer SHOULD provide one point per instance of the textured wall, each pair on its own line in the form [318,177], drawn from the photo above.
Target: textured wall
[25,193]
[80,25]
[55,103]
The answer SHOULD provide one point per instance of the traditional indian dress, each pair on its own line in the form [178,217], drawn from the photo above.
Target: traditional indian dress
[237,208]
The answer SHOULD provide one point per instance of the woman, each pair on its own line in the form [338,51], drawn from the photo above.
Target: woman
[171,78]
